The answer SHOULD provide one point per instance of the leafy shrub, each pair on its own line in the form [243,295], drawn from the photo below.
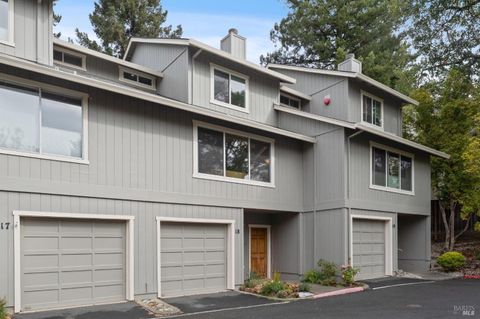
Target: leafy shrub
[3,310]
[252,281]
[451,261]
[312,276]
[348,274]
[328,270]
[304,287]
[272,288]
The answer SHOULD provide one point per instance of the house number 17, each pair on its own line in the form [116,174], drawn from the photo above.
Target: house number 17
[4,226]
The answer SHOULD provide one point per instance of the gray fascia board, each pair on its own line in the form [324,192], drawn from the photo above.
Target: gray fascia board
[354,75]
[130,65]
[138,94]
[225,55]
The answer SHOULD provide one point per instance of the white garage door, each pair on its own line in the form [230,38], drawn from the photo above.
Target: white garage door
[193,258]
[369,248]
[66,262]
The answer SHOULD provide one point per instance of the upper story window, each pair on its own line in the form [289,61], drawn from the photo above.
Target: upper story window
[6,21]
[224,154]
[229,89]
[391,169]
[372,110]
[288,100]
[137,78]
[37,121]
[69,58]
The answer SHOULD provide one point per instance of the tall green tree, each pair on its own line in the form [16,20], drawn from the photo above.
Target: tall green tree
[445,120]
[56,20]
[116,21]
[446,35]
[319,33]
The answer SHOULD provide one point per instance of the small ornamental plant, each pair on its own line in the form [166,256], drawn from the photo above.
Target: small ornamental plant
[451,261]
[348,274]
[3,310]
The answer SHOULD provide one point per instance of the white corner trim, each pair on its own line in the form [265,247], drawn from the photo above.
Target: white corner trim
[17,215]
[388,239]
[386,188]
[269,248]
[230,251]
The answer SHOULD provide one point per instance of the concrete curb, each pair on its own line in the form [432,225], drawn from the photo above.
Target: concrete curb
[345,291]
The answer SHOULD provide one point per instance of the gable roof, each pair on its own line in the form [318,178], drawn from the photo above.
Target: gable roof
[103,56]
[202,46]
[354,75]
[145,96]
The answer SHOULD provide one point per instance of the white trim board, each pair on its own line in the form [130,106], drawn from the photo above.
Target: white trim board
[382,109]
[269,248]
[230,248]
[17,215]
[229,105]
[10,41]
[388,239]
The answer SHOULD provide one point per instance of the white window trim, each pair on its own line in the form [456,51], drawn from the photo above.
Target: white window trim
[61,63]
[291,97]
[363,93]
[230,248]
[152,87]
[61,91]
[386,188]
[129,271]
[269,248]
[11,25]
[214,67]
[388,240]
[196,174]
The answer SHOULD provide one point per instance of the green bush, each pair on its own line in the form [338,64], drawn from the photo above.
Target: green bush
[312,276]
[328,270]
[3,310]
[304,287]
[272,288]
[251,281]
[348,274]
[451,261]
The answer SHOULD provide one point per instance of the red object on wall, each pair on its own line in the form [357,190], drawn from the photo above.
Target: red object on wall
[326,100]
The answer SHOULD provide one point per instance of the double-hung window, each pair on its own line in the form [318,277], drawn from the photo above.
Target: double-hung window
[229,89]
[372,110]
[224,154]
[6,21]
[391,169]
[37,121]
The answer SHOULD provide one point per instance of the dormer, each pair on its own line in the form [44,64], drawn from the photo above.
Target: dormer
[26,29]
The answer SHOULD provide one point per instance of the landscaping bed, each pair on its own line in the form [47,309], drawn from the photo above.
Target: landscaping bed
[469,246]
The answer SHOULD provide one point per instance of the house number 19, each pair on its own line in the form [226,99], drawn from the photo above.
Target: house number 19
[4,226]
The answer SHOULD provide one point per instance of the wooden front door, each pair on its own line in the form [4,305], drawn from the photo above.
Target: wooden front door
[259,251]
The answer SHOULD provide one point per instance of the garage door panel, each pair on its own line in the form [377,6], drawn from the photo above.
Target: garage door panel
[195,262]
[369,247]
[77,269]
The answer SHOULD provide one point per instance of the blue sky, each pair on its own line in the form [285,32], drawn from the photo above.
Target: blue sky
[204,20]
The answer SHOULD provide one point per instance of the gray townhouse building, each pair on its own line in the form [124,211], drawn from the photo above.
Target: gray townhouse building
[183,168]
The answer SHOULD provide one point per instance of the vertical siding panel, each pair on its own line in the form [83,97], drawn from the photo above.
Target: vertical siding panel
[118,115]
[141,153]
[126,137]
[110,144]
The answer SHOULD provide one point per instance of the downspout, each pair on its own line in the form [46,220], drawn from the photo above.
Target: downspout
[349,206]
[193,74]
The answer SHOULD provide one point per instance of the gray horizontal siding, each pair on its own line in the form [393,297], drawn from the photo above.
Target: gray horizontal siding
[364,197]
[138,150]
[263,91]
[145,230]
[32,32]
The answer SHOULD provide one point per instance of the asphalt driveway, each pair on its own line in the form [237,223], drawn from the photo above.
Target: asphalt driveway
[442,299]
